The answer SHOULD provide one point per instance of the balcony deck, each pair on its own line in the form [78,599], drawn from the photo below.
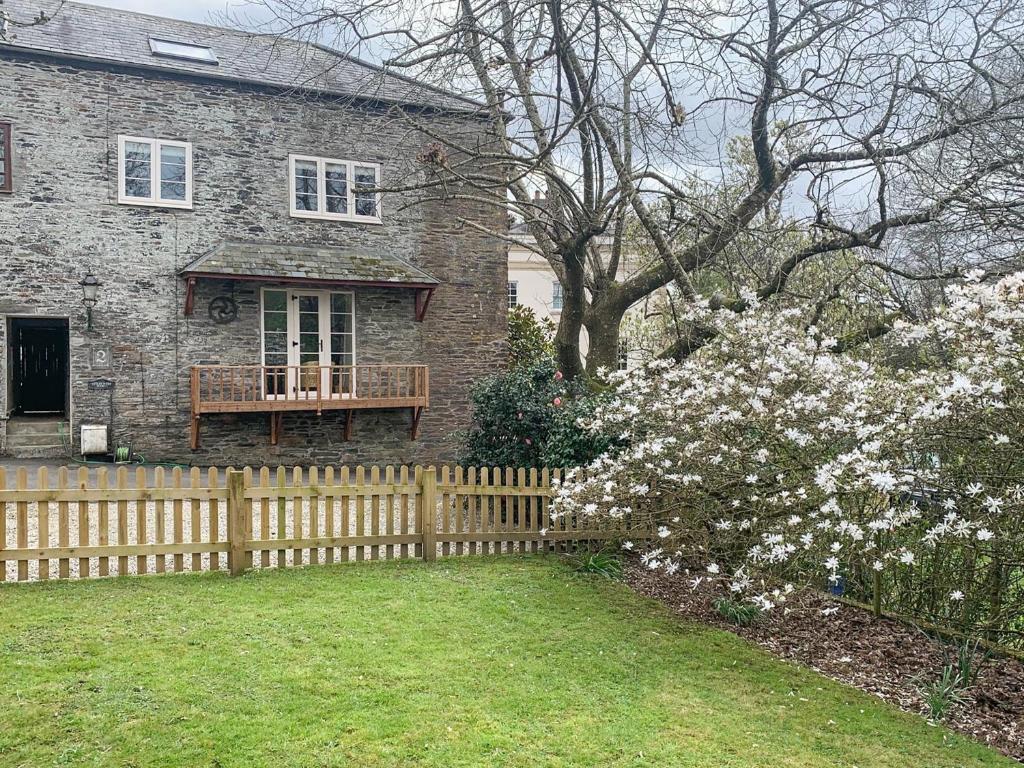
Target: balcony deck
[277,389]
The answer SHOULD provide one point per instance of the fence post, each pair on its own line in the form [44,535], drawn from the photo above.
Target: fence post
[236,522]
[429,491]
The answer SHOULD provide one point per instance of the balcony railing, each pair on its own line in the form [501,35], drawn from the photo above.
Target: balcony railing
[275,389]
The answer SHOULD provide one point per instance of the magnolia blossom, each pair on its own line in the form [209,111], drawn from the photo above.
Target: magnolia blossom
[764,457]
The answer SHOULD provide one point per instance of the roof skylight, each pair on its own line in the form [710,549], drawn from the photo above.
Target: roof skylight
[187,51]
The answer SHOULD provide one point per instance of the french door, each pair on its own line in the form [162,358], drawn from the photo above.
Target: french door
[311,333]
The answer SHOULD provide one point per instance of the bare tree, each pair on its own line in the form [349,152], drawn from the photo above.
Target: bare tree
[869,126]
[9,24]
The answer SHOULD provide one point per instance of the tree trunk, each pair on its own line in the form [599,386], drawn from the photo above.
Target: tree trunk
[567,337]
[603,326]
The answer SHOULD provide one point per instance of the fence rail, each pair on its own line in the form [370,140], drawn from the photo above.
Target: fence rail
[77,525]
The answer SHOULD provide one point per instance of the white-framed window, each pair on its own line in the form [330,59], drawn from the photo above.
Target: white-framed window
[513,294]
[556,295]
[324,188]
[623,357]
[154,172]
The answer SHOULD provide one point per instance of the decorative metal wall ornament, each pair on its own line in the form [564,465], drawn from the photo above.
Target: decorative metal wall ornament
[223,309]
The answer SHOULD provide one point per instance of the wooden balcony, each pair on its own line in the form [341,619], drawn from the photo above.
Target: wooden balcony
[275,389]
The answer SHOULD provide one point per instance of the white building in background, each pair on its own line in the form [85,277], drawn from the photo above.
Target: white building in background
[532,283]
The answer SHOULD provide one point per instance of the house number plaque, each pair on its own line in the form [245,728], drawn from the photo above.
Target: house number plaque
[99,358]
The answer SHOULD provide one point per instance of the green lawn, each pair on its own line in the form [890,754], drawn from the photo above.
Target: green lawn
[476,662]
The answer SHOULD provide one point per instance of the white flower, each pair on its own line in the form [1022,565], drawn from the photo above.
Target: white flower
[984,534]
[883,481]
[663,532]
[956,595]
[907,557]
[974,489]
[628,546]
[713,568]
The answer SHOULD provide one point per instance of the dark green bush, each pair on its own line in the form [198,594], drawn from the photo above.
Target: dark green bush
[530,340]
[528,417]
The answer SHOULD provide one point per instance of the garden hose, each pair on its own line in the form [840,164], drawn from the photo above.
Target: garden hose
[139,459]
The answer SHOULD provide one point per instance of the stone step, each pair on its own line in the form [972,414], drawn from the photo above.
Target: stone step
[33,439]
[36,426]
[29,438]
[37,452]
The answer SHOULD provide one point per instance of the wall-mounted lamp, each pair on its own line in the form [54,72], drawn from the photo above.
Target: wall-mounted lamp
[90,293]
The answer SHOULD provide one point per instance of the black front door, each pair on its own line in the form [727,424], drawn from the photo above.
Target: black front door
[39,368]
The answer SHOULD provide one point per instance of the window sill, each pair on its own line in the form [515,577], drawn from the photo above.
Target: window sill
[177,205]
[322,217]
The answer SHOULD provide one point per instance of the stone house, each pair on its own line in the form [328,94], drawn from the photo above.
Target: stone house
[275,285]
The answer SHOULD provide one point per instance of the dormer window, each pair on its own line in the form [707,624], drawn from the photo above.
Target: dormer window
[154,172]
[172,49]
[322,188]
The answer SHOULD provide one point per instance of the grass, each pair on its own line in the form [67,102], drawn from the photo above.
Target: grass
[476,662]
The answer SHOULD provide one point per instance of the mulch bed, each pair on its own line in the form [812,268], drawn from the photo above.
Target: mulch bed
[880,656]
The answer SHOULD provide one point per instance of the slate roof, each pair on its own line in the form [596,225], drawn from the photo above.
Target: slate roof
[89,32]
[306,263]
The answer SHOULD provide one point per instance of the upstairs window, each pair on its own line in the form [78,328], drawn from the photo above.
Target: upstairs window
[513,294]
[556,295]
[323,188]
[154,172]
[6,184]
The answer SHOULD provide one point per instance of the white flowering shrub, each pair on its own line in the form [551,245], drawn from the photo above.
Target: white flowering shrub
[766,461]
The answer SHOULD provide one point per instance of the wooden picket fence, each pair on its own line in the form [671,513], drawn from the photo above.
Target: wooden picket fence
[156,521]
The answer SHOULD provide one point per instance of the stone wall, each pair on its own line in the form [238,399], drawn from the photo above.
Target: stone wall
[63,219]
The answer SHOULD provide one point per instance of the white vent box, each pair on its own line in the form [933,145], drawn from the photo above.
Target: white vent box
[94,439]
